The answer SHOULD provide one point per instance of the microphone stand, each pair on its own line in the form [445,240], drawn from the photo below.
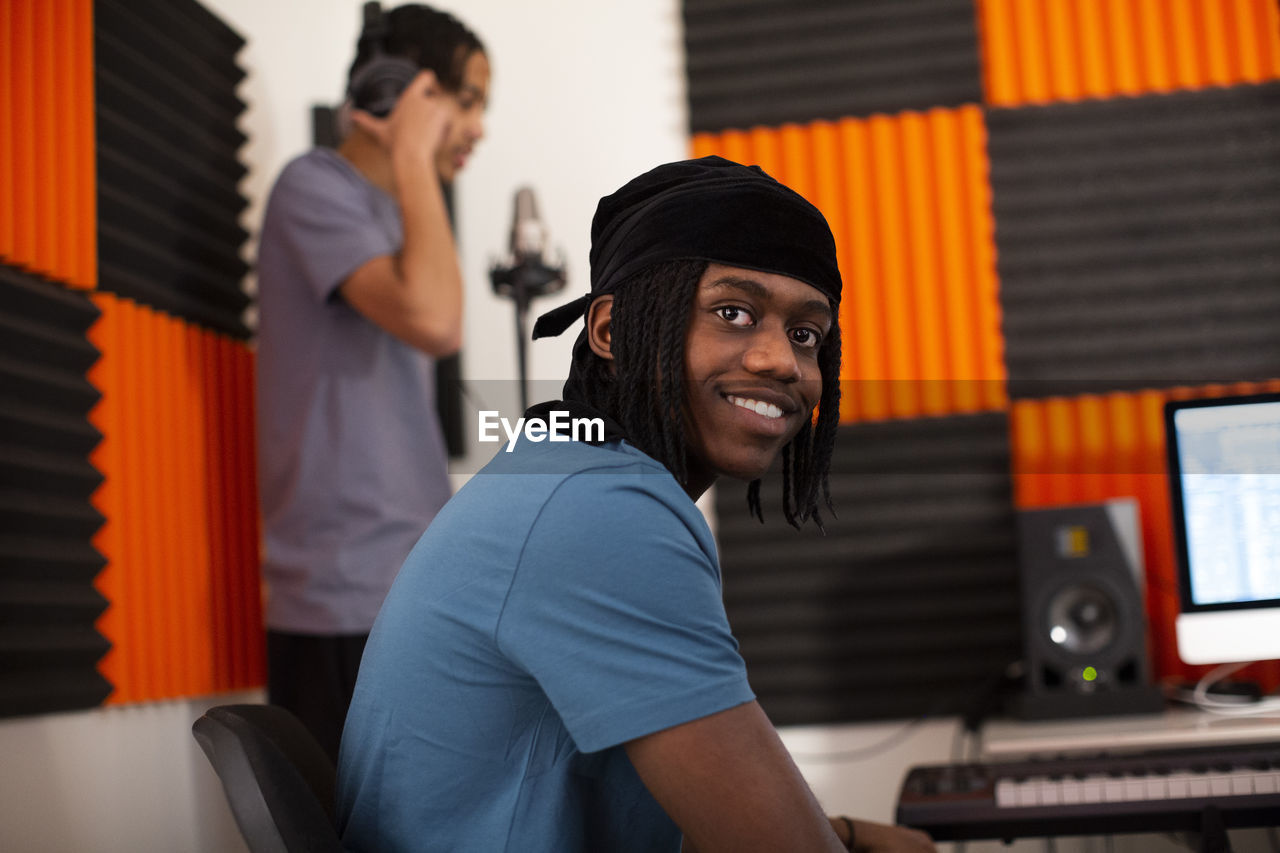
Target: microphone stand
[526,278]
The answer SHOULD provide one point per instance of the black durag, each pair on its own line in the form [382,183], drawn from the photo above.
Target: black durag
[709,209]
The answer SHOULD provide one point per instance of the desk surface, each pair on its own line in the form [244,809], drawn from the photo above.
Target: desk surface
[1010,739]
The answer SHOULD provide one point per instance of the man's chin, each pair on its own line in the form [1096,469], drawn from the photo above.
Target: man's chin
[747,471]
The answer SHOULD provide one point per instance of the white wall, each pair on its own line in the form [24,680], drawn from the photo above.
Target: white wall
[114,780]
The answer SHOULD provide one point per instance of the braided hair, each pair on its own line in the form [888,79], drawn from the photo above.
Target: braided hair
[434,40]
[650,317]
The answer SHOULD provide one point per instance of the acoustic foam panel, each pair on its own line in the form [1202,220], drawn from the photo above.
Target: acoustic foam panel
[1068,50]
[46,139]
[908,203]
[842,626]
[1036,51]
[168,228]
[769,62]
[180,499]
[1138,240]
[49,647]
[179,596]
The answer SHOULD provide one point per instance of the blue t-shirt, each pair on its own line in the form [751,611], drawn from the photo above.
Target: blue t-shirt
[351,454]
[566,601]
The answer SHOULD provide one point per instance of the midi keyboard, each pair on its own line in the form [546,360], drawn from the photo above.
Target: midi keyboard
[1158,791]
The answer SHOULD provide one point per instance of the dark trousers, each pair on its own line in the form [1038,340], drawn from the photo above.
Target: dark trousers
[314,676]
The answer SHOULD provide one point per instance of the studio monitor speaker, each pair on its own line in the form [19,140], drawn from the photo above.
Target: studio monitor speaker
[1083,614]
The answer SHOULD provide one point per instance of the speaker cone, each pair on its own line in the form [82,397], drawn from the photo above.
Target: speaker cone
[1082,619]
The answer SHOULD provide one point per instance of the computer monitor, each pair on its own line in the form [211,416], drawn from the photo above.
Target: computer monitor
[1224,480]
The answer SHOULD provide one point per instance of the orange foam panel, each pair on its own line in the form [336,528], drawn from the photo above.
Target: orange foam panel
[180,501]
[908,201]
[47,174]
[1043,51]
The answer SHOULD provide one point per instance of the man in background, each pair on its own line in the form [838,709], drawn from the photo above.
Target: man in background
[360,291]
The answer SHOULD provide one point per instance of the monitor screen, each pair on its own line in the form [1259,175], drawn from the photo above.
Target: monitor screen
[1224,477]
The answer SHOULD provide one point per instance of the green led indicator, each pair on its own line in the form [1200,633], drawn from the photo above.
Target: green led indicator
[1089,674]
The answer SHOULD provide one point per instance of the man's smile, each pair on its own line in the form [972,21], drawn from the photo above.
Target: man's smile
[760,407]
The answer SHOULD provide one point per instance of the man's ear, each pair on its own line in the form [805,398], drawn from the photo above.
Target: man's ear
[599,330]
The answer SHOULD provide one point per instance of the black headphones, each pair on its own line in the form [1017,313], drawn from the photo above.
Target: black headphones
[376,87]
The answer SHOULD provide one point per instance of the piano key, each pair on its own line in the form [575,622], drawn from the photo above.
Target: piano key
[1178,785]
[1241,782]
[1091,791]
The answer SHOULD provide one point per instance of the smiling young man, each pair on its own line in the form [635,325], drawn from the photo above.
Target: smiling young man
[359,290]
[553,669]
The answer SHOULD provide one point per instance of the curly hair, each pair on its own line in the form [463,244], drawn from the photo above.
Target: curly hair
[434,40]
[650,318]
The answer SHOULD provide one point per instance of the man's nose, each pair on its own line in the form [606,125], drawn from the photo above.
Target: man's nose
[772,354]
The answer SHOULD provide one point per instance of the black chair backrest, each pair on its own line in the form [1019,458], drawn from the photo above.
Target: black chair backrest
[278,780]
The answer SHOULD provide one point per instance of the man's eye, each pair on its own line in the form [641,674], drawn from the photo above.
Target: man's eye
[735,315]
[806,337]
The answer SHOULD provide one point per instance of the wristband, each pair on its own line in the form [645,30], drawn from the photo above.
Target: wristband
[848,824]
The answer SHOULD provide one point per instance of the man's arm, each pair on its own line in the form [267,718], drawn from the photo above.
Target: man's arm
[730,785]
[417,295]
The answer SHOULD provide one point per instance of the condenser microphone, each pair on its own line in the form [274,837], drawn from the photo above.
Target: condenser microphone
[528,234]
[527,272]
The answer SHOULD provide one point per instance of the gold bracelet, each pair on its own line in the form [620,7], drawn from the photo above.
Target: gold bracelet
[848,824]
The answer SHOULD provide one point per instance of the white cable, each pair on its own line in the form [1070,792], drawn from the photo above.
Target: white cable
[1235,707]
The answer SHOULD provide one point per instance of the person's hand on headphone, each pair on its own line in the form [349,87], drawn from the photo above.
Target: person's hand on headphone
[419,123]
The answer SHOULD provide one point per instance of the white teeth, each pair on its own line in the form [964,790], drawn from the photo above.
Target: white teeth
[758,406]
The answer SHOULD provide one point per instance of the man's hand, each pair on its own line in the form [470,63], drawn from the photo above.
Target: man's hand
[416,295]
[872,837]
[417,126]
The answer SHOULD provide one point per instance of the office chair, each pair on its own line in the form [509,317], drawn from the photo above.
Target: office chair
[277,778]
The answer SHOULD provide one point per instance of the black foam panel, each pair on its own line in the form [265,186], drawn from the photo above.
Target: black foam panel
[1138,240]
[768,62]
[909,602]
[49,647]
[168,164]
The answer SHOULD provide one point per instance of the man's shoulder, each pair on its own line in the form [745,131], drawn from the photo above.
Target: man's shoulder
[322,165]
[320,196]
[568,459]
[610,480]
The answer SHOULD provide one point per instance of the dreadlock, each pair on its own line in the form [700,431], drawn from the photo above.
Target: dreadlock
[650,318]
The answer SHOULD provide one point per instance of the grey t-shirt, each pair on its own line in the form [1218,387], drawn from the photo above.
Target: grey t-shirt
[352,462]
